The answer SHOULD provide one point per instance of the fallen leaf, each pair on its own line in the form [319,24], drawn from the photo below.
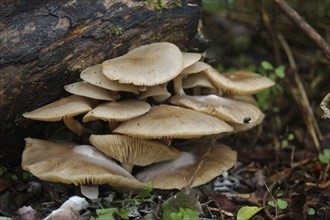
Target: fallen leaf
[246,212]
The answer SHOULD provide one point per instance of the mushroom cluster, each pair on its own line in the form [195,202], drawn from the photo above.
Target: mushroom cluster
[162,110]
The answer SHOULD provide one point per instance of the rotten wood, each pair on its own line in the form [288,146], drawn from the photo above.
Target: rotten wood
[45,44]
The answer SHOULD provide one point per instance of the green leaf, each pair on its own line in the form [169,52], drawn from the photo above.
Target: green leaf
[271,203]
[290,137]
[3,170]
[123,213]
[285,143]
[280,71]
[252,68]
[246,212]
[25,175]
[311,211]
[184,214]
[324,157]
[186,198]
[282,204]
[263,99]
[267,65]
[5,218]
[167,210]
[146,192]
[104,214]
[108,214]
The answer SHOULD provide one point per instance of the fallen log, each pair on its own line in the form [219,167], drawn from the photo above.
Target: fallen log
[44,45]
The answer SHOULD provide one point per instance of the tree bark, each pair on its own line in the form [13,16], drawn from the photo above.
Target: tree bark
[44,44]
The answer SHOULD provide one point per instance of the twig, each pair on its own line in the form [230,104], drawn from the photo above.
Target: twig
[266,21]
[264,199]
[300,96]
[304,26]
[201,163]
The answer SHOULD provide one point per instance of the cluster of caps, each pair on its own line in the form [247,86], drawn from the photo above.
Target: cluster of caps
[131,94]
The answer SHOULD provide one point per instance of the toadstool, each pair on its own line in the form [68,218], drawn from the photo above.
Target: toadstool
[74,164]
[238,83]
[226,109]
[167,121]
[133,151]
[200,162]
[147,65]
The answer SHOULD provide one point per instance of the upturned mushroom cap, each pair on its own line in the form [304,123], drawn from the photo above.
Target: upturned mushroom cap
[198,164]
[117,111]
[55,111]
[239,83]
[148,65]
[190,58]
[224,108]
[167,121]
[94,75]
[133,150]
[88,90]
[74,164]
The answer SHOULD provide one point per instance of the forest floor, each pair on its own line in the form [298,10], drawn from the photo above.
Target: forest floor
[282,171]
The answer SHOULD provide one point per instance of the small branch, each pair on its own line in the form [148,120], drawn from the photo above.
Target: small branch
[264,200]
[304,26]
[299,94]
[271,32]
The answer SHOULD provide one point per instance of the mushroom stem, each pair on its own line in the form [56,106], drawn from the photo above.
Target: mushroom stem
[142,88]
[115,95]
[165,141]
[197,91]
[76,127]
[91,192]
[127,166]
[177,82]
[113,124]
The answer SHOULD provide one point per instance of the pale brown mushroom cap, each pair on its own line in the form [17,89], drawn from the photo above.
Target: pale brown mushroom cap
[94,75]
[74,164]
[247,126]
[133,150]
[88,90]
[239,83]
[224,108]
[117,111]
[195,166]
[246,98]
[190,58]
[159,93]
[148,65]
[167,121]
[70,106]
[195,68]
[197,80]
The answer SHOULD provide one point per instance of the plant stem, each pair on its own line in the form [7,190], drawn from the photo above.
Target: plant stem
[304,26]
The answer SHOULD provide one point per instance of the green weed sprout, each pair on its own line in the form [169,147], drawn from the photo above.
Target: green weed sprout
[324,156]
[266,97]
